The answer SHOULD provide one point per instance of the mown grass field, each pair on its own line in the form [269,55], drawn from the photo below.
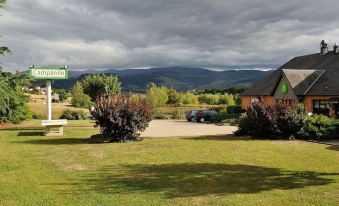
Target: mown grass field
[39,109]
[38,170]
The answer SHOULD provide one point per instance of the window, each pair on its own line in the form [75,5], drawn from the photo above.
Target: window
[321,107]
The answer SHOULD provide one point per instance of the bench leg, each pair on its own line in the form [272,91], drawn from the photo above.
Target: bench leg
[58,132]
[47,131]
[61,130]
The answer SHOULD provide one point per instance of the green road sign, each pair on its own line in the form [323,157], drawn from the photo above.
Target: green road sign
[284,88]
[48,73]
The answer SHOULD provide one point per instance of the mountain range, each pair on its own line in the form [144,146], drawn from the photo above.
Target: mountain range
[180,78]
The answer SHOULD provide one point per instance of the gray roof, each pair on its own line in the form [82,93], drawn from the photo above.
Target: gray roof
[302,80]
[313,74]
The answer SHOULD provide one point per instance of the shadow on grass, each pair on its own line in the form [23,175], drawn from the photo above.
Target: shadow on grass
[30,133]
[20,128]
[333,147]
[229,137]
[187,180]
[56,141]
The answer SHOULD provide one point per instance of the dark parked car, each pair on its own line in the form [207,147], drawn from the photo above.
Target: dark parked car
[205,115]
[191,115]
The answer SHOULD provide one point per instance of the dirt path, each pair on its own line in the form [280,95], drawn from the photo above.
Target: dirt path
[181,128]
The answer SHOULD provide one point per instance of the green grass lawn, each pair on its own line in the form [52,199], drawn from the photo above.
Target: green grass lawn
[38,170]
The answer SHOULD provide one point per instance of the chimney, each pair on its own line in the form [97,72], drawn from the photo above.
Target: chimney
[323,47]
[335,49]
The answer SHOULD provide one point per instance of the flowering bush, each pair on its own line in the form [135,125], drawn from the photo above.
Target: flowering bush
[290,119]
[272,121]
[285,120]
[121,117]
[262,117]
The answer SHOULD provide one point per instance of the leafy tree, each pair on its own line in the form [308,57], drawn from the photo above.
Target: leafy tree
[156,96]
[226,99]
[100,84]
[79,99]
[3,49]
[189,98]
[13,107]
[209,99]
[229,90]
[173,96]
[63,94]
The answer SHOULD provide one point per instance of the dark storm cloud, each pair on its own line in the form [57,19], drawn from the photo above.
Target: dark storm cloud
[134,33]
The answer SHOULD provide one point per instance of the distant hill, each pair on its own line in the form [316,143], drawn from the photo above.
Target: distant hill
[180,78]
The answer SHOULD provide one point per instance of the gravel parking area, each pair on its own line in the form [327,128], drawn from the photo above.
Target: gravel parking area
[182,128]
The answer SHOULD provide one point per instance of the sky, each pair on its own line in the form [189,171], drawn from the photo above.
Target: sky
[215,34]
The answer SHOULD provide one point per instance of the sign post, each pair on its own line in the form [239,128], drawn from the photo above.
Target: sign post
[49,99]
[50,74]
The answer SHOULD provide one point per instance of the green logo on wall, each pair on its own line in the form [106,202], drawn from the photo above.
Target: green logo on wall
[284,88]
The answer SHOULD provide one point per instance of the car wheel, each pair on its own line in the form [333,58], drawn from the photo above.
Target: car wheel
[193,119]
[202,119]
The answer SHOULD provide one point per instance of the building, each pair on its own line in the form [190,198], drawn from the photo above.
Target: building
[311,79]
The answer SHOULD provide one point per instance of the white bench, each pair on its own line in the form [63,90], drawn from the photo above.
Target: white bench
[51,124]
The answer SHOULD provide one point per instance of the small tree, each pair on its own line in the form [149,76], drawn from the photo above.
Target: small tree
[189,98]
[79,99]
[99,84]
[13,107]
[63,94]
[121,117]
[173,96]
[156,96]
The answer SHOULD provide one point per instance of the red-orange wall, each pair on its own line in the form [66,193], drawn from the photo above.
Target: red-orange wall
[308,101]
[246,100]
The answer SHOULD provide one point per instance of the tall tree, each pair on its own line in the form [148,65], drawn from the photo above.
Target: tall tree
[13,107]
[3,49]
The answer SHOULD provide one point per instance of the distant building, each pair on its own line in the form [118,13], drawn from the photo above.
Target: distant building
[311,79]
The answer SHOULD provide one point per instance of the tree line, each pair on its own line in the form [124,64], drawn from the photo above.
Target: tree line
[158,96]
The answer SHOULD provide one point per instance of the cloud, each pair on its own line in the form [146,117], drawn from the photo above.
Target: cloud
[131,33]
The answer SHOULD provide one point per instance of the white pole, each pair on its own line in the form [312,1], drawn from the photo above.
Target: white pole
[49,99]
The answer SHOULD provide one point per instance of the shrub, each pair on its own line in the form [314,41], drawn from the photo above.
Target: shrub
[74,115]
[262,117]
[158,114]
[319,127]
[245,126]
[63,95]
[175,114]
[99,84]
[231,121]
[36,116]
[290,119]
[223,117]
[285,121]
[234,109]
[79,99]
[120,117]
